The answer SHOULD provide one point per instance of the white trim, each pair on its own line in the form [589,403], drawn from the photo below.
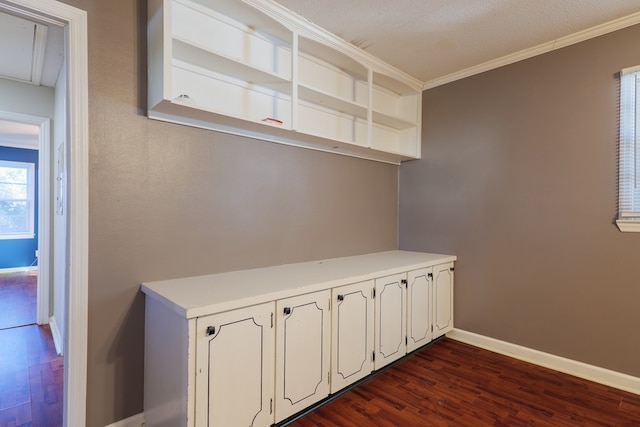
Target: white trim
[572,367]
[561,42]
[44,222]
[17,270]
[75,22]
[57,338]
[44,205]
[628,226]
[135,421]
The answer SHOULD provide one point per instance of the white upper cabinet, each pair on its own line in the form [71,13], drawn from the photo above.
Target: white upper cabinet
[253,68]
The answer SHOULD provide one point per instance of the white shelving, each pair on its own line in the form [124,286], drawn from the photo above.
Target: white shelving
[253,68]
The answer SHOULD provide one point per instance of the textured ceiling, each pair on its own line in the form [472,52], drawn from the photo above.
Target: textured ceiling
[430,39]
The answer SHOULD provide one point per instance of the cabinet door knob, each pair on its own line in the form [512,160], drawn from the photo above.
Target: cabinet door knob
[211,330]
[430,275]
[451,268]
[287,310]
[340,297]
[404,282]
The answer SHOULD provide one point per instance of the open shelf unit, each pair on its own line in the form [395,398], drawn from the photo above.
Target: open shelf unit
[253,68]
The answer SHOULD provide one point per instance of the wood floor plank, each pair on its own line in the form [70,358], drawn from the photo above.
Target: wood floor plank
[17,299]
[449,383]
[31,376]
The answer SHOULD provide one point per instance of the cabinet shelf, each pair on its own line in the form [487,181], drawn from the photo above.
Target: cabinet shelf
[198,56]
[232,15]
[201,88]
[228,65]
[394,122]
[327,100]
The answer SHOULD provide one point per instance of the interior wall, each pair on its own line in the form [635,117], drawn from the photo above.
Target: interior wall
[168,201]
[518,179]
[24,98]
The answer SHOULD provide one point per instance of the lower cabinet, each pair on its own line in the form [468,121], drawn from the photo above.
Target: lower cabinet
[419,308]
[390,319]
[443,299]
[255,365]
[303,340]
[234,368]
[352,335]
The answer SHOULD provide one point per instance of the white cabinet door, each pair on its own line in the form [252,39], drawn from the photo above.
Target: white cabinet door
[419,308]
[234,368]
[302,352]
[352,334]
[443,299]
[390,319]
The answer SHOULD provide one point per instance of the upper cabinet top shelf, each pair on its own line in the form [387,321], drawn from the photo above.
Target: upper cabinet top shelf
[253,68]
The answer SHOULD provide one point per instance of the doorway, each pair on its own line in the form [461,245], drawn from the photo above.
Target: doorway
[25,138]
[73,21]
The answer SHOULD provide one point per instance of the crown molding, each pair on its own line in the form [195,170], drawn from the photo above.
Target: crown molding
[559,43]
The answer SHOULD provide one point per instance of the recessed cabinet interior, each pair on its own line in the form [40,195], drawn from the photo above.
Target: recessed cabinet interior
[256,347]
[251,67]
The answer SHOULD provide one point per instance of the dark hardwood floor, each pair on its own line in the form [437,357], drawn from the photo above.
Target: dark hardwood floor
[449,383]
[17,299]
[31,373]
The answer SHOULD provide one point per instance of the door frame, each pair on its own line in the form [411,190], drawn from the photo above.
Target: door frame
[44,207]
[74,21]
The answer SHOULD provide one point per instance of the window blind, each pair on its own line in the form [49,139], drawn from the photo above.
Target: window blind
[629,150]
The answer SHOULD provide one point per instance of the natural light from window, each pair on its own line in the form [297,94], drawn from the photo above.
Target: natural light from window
[629,154]
[17,200]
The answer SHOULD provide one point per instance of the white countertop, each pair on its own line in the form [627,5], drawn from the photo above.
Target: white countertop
[215,293]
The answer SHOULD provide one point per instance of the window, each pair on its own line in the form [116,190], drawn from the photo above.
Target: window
[17,200]
[629,154]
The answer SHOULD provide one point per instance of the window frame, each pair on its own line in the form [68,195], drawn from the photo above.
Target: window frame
[31,201]
[629,151]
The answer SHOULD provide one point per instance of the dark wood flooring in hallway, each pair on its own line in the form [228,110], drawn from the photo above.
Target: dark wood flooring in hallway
[31,373]
[453,384]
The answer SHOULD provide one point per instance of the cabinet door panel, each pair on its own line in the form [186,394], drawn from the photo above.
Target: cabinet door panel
[234,372]
[443,297]
[391,320]
[302,352]
[419,299]
[352,336]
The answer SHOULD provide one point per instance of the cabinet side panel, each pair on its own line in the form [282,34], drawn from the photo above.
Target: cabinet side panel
[157,46]
[166,367]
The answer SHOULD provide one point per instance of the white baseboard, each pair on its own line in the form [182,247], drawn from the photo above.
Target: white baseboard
[18,269]
[135,421]
[55,333]
[577,369]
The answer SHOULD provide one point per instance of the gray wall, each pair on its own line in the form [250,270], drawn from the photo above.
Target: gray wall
[518,178]
[169,201]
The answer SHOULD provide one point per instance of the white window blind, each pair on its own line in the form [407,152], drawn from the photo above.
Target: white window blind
[629,155]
